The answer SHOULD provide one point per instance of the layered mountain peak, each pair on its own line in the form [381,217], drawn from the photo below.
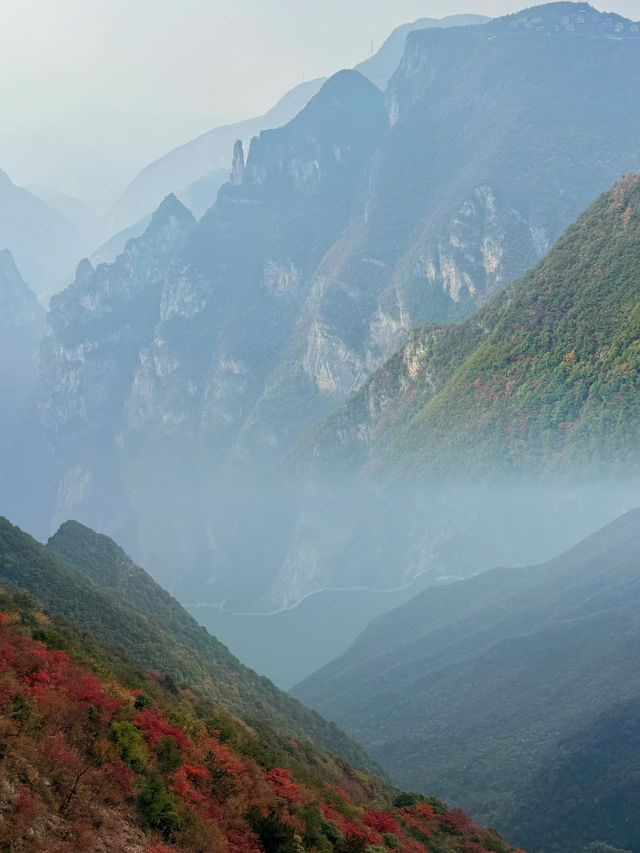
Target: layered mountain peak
[100,559]
[341,89]
[8,270]
[171,216]
[84,271]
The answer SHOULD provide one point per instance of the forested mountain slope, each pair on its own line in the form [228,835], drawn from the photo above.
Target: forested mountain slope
[526,669]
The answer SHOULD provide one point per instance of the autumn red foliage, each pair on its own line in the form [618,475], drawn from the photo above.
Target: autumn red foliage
[97,771]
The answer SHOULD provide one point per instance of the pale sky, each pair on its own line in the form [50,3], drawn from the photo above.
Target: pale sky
[217,57]
[181,66]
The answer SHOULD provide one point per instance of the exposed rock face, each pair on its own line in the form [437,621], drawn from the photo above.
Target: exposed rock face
[461,197]
[237,167]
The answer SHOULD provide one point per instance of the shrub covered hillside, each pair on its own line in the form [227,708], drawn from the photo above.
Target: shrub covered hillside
[86,578]
[97,755]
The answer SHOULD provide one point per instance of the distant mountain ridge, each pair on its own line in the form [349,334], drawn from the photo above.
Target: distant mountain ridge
[44,244]
[211,151]
[527,669]
[22,323]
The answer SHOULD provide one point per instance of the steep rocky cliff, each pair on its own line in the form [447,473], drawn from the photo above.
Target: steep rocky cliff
[542,380]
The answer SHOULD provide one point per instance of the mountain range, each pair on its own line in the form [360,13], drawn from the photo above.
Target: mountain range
[229,338]
[514,694]
[44,244]
[527,412]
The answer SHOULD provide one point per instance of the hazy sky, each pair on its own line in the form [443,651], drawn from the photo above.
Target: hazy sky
[216,57]
[184,64]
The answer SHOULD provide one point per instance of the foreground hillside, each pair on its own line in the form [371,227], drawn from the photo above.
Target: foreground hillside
[104,760]
[513,694]
[87,578]
[99,753]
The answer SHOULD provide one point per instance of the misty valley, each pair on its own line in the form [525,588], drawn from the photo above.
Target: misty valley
[320,453]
